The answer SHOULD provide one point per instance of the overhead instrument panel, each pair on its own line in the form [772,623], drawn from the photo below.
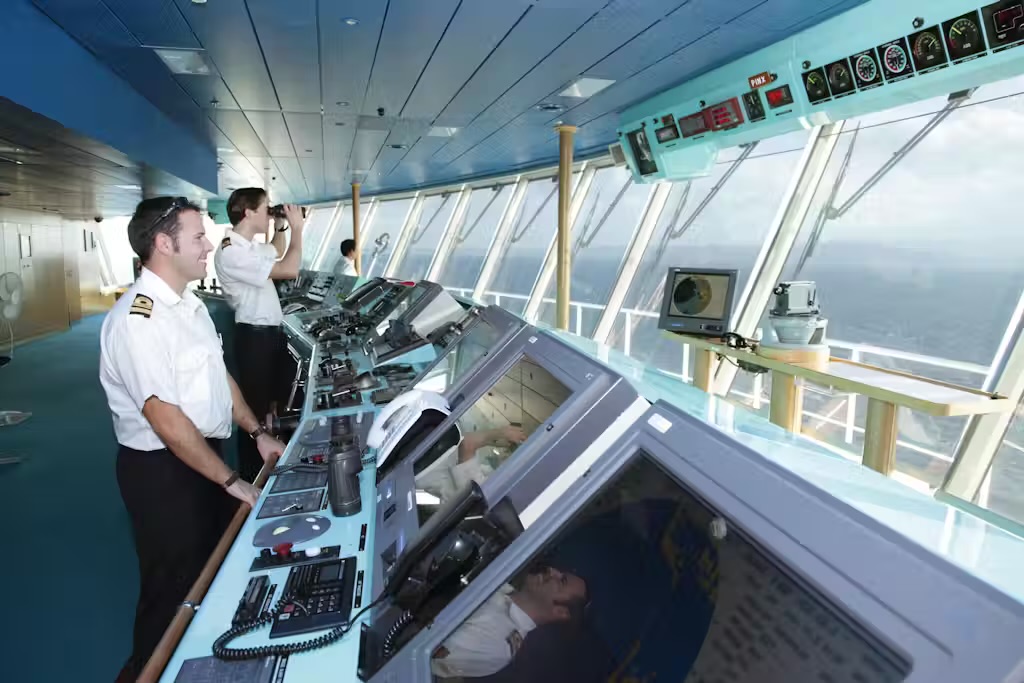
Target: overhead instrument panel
[878,55]
[1004,24]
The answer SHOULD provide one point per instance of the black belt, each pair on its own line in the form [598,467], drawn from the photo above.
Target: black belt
[259,328]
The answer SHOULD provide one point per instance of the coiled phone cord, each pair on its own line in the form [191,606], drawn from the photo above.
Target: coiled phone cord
[221,651]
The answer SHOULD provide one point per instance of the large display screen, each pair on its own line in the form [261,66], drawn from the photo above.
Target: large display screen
[699,295]
[488,433]
[648,583]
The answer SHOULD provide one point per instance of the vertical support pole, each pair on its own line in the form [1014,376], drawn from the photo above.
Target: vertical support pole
[704,364]
[787,406]
[565,142]
[355,228]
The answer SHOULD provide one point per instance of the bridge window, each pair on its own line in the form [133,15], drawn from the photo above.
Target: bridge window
[383,231]
[426,233]
[1002,493]
[469,248]
[315,231]
[601,236]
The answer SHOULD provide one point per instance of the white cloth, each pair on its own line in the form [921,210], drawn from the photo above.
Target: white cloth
[244,269]
[345,266]
[446,476]
[486,642]
[174,354]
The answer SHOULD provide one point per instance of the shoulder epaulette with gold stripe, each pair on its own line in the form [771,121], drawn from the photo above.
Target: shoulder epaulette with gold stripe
[141,305]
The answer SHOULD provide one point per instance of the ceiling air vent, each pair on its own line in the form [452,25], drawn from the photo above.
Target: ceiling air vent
[618,156]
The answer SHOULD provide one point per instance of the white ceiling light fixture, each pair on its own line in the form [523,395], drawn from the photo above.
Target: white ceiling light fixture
[128,187]
[351,21]
[442,131]
[549,107]
[583,88]
[184,62]
[198,2]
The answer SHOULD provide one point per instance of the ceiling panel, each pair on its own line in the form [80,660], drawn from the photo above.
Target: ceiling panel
[285,73]
[288,34]
[411,32]
[476,30]
[225,30]
[157,23]
[347,52]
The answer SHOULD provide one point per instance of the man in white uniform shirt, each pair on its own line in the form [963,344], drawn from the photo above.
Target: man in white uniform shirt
[173,402]
[489,640]
[247,270]
[346,265]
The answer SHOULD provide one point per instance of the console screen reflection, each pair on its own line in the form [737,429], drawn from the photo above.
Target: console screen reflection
[640,586]
[455,364]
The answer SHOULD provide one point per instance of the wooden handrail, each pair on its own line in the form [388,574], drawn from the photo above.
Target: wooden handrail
[172,636]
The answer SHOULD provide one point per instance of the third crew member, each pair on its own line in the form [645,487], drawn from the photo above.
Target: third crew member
[247,269]
[173,401]
[347,263]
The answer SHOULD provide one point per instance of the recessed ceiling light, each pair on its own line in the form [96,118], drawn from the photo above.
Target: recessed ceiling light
[339,123]
[198,2]
[128,187]
[350,21]
[398,146]
[549,106]
[586,87]
[184,62]
[442,132]
[342,103]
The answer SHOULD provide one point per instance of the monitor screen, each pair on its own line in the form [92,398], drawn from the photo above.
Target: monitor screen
[453,366]
[699,295]
[648,583]
[488,433]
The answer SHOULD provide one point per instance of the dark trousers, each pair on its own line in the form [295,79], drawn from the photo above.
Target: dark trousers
[177,518]
[262,359]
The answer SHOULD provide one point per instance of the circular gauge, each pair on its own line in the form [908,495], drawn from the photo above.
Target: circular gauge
[964,35]
[895,59]
[927,47]
[839,77]
[867,70]
[816,86]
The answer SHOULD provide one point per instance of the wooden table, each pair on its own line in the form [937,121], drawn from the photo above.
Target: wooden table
[885,390]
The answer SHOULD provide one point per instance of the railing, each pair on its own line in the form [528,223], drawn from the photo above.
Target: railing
[757,397]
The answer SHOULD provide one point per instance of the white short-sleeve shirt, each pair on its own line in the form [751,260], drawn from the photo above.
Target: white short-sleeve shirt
[156,343]
[486,642]
[243,267]
[345,266]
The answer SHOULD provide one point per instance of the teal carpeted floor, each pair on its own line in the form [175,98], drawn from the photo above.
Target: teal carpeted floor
[69,570]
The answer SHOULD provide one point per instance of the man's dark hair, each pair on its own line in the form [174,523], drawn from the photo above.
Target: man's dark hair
[155,216]
[244,198]
[348,247]
[577,606]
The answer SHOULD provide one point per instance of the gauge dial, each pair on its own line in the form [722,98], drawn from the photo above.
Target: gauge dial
[895,59]
[840,78]
[927,48]
[866,68]
[816,86]
[964,36]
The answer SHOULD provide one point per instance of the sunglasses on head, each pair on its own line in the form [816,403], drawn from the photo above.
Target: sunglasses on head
[176,204]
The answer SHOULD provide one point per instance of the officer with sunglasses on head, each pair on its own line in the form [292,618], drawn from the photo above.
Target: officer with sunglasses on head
[173,402]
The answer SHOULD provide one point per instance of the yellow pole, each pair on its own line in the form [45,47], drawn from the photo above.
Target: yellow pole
[565,142]
[355,228]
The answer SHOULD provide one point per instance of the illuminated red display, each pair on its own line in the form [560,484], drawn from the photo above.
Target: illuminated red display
[779,97]
[724,115]
[695,124]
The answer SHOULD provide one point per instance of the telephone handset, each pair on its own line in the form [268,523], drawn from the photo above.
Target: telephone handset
[395,419]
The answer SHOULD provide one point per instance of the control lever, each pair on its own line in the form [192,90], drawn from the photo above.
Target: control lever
[344,466]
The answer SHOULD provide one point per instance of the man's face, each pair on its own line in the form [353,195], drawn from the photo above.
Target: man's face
[261,217]
[193,247]
[552,587]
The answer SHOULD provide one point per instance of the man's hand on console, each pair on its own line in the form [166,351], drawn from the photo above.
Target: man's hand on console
[245,492]
[271,448]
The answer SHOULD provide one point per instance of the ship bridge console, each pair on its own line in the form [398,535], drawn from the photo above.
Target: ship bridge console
[469,494]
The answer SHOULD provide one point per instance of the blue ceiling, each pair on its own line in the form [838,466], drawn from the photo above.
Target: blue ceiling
[293,101]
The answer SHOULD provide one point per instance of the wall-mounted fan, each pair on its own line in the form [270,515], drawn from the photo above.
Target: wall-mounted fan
[11,297]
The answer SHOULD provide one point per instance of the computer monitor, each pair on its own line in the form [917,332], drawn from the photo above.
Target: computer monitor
[698,301]
[525,417]
[685,556]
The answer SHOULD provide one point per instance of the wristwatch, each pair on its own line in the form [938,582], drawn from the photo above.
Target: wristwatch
[255,434]
[282,229]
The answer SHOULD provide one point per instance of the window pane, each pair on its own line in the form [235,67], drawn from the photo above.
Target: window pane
[469,249]
[1005,494]
[704,227]
[342,231]
[916,265]
[427,232]
[602,233]
[522,257]
[383,233]
[314,230]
